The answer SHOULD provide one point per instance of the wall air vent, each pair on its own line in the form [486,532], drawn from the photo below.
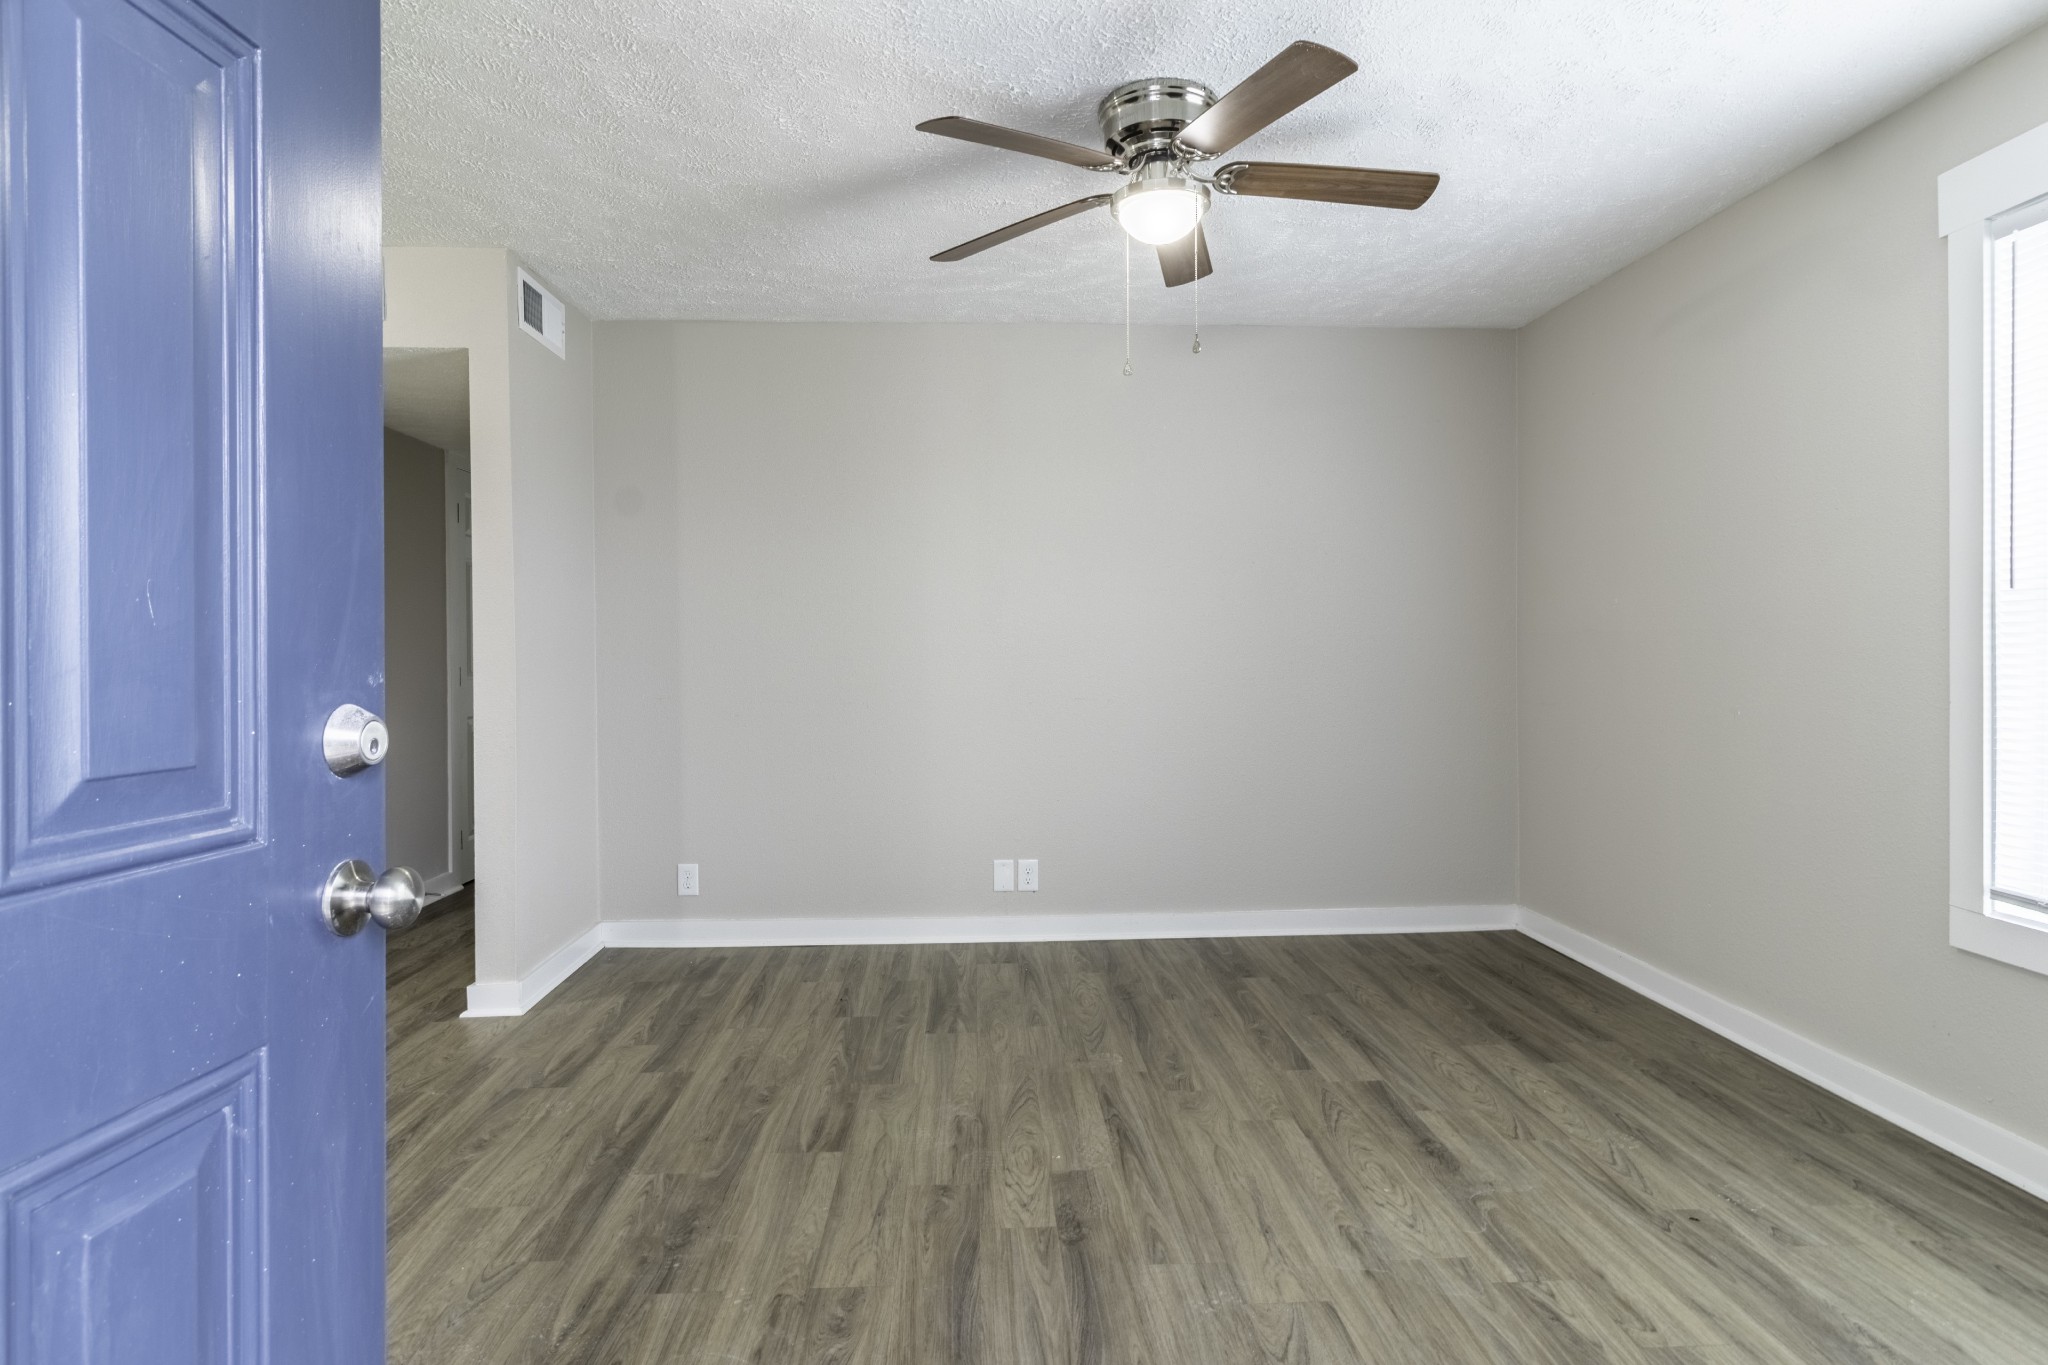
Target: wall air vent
[540,314]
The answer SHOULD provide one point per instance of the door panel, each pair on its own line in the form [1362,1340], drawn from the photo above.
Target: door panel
[138,1241]
[134,644]
[191,1084]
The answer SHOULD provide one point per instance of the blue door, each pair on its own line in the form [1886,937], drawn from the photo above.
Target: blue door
[191,1063]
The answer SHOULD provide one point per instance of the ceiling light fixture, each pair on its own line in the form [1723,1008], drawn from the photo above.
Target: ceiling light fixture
[1159,206]
[1157,129]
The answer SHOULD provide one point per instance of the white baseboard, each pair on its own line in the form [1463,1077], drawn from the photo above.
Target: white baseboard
[447,884]
[1978,1141]
[494,999]
[499,999]
[1053,928]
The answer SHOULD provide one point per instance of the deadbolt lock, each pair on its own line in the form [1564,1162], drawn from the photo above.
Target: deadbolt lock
[354,739]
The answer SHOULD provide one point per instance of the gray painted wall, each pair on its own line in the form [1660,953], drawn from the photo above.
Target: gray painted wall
[415,656]
[555,563]
[1734,630]
[531,476]
[879,604]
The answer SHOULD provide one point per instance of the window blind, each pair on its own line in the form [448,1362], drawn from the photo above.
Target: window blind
[2018,430]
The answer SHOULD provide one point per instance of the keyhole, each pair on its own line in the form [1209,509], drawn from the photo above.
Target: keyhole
[373,746]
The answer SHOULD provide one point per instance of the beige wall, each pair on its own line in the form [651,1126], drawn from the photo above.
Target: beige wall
[415,656]
[1734,630]
[531,464]
[879,604]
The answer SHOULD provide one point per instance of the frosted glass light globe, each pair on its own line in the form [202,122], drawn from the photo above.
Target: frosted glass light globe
[1156,212]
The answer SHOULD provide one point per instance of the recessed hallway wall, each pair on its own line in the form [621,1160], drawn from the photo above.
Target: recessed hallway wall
[416,808]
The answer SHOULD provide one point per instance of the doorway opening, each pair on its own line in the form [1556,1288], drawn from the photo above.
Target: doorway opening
[429,683]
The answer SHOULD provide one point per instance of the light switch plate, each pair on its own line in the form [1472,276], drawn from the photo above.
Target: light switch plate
[1027,874]
[1006,874]
[686,879]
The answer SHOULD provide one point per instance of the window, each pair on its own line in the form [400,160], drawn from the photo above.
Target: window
[1994,212]
[2017,428]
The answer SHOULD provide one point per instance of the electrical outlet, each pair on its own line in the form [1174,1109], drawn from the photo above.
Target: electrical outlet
[1006,874]
[686,879]
[1027,874]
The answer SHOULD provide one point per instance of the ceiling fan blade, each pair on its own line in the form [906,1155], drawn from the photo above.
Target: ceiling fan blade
[1328,184]
[1010,139]
[1187,260]
[1300,73]
[1020,227]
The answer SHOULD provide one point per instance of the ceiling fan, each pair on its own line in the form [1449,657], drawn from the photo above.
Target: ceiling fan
[1155,131]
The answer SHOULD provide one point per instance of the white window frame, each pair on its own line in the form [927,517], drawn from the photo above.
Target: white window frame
[1971,198]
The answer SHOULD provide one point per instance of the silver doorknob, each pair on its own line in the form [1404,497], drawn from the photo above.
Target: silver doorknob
[355,894]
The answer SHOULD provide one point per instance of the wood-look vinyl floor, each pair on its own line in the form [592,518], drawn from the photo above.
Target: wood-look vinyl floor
[1434,1149]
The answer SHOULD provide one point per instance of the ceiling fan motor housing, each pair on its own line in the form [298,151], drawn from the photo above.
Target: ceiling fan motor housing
[1140,118]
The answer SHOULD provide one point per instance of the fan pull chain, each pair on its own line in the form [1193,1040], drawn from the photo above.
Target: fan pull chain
[1127,302]
[1198,309]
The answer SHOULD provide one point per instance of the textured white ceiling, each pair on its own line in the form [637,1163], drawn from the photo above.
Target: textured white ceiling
[426,395]
[756,159]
